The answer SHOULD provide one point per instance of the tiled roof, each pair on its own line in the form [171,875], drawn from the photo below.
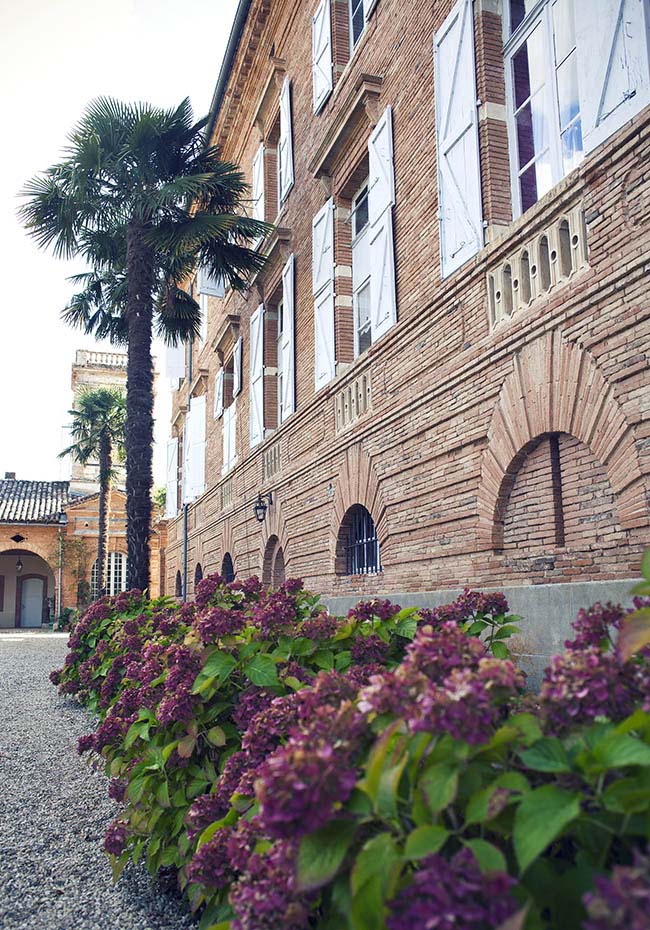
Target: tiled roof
[32,501]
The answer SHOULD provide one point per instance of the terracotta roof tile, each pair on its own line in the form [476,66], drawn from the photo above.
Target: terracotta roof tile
[32,501]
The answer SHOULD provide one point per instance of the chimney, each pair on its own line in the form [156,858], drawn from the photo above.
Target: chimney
[10,475]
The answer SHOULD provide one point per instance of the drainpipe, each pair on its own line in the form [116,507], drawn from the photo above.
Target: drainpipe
[184,553]
[63,521]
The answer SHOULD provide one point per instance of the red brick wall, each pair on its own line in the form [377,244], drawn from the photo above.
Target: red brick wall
[453,401]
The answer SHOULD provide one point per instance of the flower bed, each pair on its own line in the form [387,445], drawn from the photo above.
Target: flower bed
[386,770]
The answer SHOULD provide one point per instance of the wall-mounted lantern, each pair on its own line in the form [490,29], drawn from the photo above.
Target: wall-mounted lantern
[263,502]
[19,566]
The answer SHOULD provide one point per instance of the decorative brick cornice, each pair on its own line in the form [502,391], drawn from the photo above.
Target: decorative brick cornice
[363,99]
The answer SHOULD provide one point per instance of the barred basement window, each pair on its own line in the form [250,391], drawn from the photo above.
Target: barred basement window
[358,548]
[227,569]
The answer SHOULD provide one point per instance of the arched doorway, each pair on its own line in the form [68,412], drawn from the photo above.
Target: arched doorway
[27,589]
[273,571]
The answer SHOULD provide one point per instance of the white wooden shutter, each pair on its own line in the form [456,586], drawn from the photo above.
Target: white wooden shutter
[229,447]
[171,498]
[208,284]
[288,347]
[203,327]
[257,376]
[381,197]
[285,145]
[258,185]
[325,354]
[237,368]
[323,247]
[381,181]
[218,395]
[459,168]
[321,65]
[323,290]
[613,65]
[175,361]
[197,452]
[187,458]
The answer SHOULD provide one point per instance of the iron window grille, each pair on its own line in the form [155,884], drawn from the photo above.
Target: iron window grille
[362,556]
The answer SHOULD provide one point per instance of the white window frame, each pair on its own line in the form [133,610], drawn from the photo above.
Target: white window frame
[356,240]
[357,3]
[540,15]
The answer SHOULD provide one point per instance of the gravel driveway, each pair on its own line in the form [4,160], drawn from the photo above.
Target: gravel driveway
[54,808]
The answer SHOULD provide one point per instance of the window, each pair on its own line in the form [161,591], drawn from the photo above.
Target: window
[178,587]
[358,548]
[198,575]
[279,357]
[115,575]
[543,100]
[227,569]
[361,271]
[357,21]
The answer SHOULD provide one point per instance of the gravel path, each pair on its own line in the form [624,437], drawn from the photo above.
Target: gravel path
[54,808]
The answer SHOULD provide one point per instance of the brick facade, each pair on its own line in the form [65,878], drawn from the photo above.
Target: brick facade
[491,448]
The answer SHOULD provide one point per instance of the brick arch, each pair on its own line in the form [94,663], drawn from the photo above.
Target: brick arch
[357,483]
[556,387]
[275,525]
[227,545]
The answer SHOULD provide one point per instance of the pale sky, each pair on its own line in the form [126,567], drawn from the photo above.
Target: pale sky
[56,56]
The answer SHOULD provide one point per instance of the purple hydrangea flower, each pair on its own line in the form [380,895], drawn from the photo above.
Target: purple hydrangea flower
[369,650]
[620,901]
[115,837]
[265,897]
[320,628]
[219,622]
[453,895]
[366,611]
[299,787]
[210,865]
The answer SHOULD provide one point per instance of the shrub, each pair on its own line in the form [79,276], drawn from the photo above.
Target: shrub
[385,770]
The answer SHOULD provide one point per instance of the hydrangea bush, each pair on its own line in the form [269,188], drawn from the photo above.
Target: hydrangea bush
[383,771]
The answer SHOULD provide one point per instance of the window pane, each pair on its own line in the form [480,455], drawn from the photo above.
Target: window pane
[563,29]
[358,20]
[362,317]
[360,212]
[567,90]
[535,181]
[572,147]
[528,67]
[518,11]
[532,130]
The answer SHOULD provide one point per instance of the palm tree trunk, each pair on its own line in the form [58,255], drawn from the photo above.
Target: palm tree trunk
[104,487]
[139,405]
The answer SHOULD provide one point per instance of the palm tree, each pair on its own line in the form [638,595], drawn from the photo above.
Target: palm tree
[143,197]
[98,430]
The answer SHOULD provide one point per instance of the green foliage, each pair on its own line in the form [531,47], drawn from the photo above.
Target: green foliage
[550,807]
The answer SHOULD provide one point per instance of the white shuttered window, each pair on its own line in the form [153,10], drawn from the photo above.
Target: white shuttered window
[321,33]
[323,291]
[285,145]
[257,376]
[286,347]
[381,197]
[171,497]
[459,171]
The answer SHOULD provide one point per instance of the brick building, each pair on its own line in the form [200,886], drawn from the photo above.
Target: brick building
[91,370]
[441,375]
